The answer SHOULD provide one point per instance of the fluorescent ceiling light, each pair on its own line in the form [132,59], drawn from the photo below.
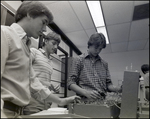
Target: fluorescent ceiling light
[103,30]
[96,13]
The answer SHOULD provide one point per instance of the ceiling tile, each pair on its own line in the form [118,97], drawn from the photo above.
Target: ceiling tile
[118,33]
[79,38]
[82,12]
[117,11]
[147,44]
[139,30]
[73,18]
[107,49]
[140,2]
[90,32]
[136,45]
[64,16]
[119,47]
[48,2]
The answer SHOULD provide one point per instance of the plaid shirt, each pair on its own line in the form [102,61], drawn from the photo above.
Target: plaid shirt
[90,75]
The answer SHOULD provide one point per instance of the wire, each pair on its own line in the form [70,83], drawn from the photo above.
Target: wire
[115,98]
[117,105]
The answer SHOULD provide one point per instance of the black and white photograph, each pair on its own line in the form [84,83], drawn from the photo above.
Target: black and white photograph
[74,59]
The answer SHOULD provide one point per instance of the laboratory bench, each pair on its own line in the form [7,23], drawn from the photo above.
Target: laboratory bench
[54,116]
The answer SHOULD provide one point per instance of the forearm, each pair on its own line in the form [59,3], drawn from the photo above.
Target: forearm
[112,88]
[59,101]
[53,98]
[78,89]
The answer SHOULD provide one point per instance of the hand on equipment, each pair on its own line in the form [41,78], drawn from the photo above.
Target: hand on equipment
[65,101]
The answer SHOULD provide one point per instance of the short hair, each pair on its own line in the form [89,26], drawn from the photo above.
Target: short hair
[34,9]
[52,36]
[145,68]
[97,39]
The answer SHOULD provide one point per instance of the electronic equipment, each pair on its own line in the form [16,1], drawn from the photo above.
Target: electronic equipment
[90,110]
[129,101]
[127,107]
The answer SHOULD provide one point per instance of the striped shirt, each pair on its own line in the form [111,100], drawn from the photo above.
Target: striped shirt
[42,65]
[90,75]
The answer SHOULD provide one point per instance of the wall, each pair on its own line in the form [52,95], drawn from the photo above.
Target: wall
[117,62]
[64,47]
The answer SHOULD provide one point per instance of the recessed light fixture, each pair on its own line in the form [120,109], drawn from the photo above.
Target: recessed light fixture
[97,16]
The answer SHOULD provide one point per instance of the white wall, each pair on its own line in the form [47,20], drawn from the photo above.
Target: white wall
[117,62]
[64,46]
[74,54]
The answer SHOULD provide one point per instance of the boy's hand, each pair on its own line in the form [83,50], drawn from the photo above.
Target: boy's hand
[65,101]
[119,89]
[55,88]
[92,94]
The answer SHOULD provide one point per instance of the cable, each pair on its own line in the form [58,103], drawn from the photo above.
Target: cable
[117,105]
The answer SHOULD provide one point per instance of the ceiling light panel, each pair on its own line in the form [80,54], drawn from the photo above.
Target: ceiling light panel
[103,30]
[97,15]
[96,12]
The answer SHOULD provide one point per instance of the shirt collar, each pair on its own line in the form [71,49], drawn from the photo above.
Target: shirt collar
[86,55]
[44,52]
[19,30]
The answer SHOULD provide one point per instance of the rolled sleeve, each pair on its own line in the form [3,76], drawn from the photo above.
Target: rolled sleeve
[72,80]
[40,94]
[74,72]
